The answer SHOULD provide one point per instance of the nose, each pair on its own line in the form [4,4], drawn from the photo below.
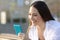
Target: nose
[31,17]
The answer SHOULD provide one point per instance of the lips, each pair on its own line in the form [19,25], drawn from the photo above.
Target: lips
[34,21]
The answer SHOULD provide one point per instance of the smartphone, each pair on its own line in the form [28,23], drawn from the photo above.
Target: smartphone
[17,28]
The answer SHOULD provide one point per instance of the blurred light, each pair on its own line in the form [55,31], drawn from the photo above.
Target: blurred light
[35,0]
[42,0]
[27,2]
[3,17]
[4,39]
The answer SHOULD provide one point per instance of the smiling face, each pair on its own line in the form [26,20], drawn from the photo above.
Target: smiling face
[34,15]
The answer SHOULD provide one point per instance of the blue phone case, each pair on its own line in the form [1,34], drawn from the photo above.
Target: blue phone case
[17,28]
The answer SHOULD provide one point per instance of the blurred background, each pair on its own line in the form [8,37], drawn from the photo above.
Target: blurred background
[16,12]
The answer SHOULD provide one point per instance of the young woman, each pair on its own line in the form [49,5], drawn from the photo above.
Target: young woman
[42,24]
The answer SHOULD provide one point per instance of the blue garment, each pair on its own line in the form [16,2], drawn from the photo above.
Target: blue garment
[52,31]
[17,28]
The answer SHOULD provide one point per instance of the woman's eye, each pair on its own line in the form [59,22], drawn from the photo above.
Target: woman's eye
[35,15]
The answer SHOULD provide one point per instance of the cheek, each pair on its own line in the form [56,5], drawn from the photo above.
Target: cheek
[38,18]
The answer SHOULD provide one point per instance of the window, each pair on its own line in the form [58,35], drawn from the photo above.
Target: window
[3,17]
[16,20]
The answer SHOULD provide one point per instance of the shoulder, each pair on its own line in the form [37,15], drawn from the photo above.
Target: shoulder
[55,27]
[53,23]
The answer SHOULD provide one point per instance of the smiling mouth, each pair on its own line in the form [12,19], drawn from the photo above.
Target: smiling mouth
[34,21]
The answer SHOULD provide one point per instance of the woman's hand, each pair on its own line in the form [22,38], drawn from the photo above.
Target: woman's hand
[21,36]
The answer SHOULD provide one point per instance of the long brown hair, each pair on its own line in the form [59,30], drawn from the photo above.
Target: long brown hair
[43,10]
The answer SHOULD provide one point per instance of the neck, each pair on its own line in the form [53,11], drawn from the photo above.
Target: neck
[41,28]
[41,25]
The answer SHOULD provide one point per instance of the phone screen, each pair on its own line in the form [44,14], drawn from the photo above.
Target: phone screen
[17,28]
